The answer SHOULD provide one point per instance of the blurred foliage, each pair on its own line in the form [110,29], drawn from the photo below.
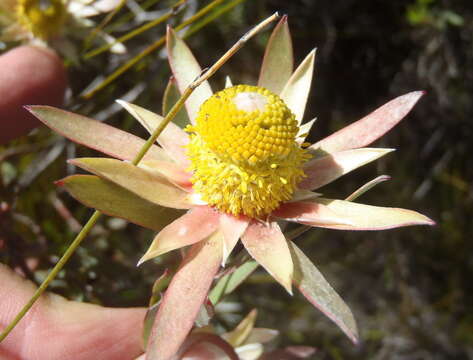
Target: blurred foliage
[410,289]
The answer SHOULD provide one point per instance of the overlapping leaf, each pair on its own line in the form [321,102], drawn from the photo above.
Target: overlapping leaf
[94,134]
[186,69]
[114,200]
[278,60]
[145,184]
[183,298]
[318,291]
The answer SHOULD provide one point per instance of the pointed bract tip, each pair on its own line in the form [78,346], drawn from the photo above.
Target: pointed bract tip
[289,289]
[141,261]
[430,222]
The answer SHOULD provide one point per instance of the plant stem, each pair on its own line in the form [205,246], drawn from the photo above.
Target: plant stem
[138,31]
[59,265]
[96,215]
[148,50]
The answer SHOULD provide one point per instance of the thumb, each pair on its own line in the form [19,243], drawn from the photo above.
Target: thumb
[56,328]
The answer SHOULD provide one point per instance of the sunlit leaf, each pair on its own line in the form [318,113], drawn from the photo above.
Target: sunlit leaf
[355,216]
[171,171]
[228,82]
[197,224]
[318,291]
[186,69]
[148,186]
[368,217]
[114,200]
[173,139]
[311,213]
[95,134]
[250,351]
[267,245]
[304,130]
[370,128]
[232,228]
[261,335]
[296,91]
[183,298]
[324,170]
[278,60]
[237,336]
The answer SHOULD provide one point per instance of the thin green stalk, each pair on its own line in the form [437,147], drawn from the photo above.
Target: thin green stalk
[216,14]
[130,15]
[93,219]
[58,267]
[138,31]
[149,50]
[88,40]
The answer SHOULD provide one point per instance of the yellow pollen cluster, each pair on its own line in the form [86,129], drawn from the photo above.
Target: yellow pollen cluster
[243,151]
[247,124]
[44,18]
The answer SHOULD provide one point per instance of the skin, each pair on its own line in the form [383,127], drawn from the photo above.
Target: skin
[28,76]
[55,328]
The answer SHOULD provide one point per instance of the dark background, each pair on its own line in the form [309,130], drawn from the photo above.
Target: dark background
[410,289]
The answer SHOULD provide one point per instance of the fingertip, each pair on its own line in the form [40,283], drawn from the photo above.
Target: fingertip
[28,75]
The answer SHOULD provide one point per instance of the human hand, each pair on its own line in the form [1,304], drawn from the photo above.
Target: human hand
[28,75]
[58,329]
[55,328]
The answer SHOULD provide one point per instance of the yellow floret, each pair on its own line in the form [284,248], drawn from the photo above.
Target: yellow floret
[243,151]
[43,18]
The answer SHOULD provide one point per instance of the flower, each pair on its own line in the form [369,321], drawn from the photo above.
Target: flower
[240,167]
[52,22]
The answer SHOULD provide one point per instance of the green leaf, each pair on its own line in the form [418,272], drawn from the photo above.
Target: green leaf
[228,283]
[296,91]
[185,68]
[95,134]
[171,95]
[114,200]
[318,291]
[278,60]
[147,185]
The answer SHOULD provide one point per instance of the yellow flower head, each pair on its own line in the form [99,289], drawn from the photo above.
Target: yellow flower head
[243,151]
[43,18]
